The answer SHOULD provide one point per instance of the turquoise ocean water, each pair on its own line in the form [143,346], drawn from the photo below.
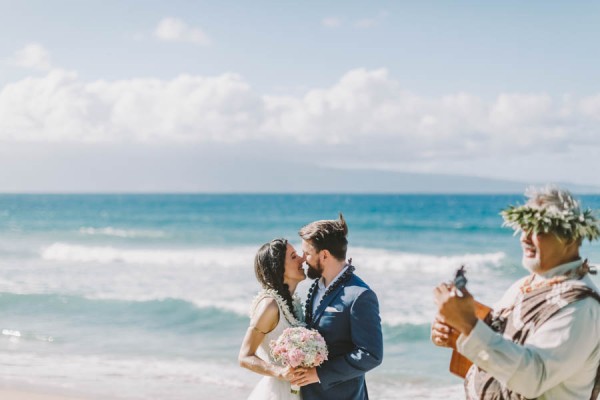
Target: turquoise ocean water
[146,296]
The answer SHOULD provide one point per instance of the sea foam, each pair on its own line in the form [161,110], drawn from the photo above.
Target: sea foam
[122,233]
[377,259]
[108,254]
[387,260]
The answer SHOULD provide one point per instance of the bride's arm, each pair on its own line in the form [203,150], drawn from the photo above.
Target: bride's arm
[264,320]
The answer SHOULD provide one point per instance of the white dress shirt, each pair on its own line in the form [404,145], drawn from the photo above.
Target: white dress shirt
[557,362]
[321,288]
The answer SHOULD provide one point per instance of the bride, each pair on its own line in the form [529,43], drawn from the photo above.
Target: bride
[278,269]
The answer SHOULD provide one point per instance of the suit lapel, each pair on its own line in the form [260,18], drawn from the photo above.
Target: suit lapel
[325,302]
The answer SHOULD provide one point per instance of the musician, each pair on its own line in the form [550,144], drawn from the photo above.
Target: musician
[542,339]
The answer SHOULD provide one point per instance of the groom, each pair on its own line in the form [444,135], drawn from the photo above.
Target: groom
[344,310]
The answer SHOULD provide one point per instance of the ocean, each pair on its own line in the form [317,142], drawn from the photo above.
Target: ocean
[147,296]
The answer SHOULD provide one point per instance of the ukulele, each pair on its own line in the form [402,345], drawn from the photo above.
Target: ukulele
[459,364]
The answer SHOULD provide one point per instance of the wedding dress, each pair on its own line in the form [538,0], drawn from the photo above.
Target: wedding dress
[271,388]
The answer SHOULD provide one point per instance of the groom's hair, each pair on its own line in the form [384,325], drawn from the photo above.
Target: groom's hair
[328,234]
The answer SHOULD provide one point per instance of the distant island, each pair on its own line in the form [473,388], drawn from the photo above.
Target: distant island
[139,169]
[305,179]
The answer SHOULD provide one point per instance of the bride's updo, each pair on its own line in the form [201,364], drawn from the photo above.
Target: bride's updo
[269,267]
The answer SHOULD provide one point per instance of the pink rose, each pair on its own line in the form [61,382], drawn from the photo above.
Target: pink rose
[295,358]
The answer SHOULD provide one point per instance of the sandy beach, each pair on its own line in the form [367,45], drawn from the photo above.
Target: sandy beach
[22,395]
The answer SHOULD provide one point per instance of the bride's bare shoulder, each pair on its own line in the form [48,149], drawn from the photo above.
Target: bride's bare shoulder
[267,305]
[266,314]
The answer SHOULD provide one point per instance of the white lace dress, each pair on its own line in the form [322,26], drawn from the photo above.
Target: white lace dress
[270,388]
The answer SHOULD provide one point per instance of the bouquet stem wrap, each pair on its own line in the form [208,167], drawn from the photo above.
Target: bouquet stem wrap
[295,389]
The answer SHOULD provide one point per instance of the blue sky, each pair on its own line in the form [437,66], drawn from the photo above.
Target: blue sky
[500,89]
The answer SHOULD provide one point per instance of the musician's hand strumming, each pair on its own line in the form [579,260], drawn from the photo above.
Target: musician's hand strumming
[457,312]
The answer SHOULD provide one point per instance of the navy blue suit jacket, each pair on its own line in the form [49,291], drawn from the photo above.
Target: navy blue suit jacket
[349,321]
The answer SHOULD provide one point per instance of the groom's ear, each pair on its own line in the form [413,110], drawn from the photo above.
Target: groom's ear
[325,254]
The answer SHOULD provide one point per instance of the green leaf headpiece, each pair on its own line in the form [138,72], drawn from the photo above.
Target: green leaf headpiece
[570,222]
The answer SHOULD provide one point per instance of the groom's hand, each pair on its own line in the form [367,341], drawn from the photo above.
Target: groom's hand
[305,376]
[286,373]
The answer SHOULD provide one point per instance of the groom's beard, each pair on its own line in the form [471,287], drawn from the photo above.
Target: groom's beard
[314,272]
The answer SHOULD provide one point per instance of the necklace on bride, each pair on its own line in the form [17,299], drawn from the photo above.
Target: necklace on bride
[292,319]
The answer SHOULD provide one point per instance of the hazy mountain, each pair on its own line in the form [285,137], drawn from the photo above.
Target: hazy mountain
[134,169]
[330,180]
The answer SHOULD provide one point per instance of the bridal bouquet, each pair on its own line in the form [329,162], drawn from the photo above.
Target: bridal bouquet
[299,347]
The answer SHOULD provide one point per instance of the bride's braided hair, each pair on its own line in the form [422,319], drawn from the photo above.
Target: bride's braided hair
[269,267]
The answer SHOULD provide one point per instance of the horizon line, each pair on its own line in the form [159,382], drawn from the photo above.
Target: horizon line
[270,193]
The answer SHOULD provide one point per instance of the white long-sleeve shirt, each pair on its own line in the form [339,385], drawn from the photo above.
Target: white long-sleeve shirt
[558,361]
[321,289]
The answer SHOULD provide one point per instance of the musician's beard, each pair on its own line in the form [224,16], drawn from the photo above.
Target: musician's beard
[314,272]
[531,264]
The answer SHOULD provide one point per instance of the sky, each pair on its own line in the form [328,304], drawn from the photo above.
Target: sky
[199,96]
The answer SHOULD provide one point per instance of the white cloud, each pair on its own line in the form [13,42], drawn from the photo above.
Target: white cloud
[62,107]
[32,56]
[366,23]
[137,36]
[366,111]
[331,22]
[176,30]
[590,106]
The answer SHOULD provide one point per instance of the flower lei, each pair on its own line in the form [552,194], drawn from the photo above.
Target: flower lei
[311,292]
[498,321]
[577,274]
[290,317]
[571,223]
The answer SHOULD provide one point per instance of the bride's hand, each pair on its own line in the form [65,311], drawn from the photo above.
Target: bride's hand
[286,373]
